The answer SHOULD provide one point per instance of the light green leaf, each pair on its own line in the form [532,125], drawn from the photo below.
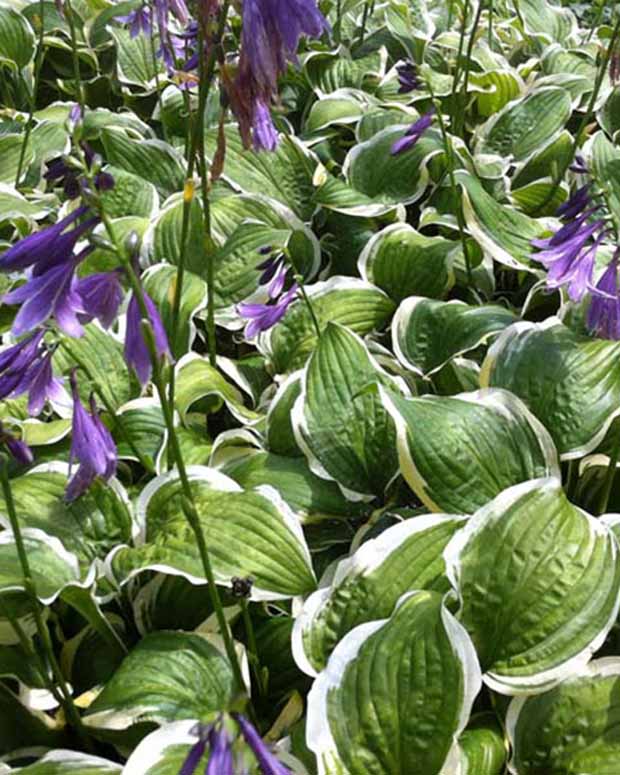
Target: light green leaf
[248,533]
[340,108]
[331,71]
[63,762]
[135,62]
[403,262]
[569,381]
[14,205]
[10,152]
[131,195]
[395,694]
[538,581]
[426,334]
[571,728]
[343,429]
[17,42]
[279,430]
[367,585]
[143,422]
[164,751]
[169,676]
[371,169]
[526,125]
[458,452]
[358,305]
[547,20]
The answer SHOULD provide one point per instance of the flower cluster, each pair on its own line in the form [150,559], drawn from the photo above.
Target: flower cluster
[407,77]
[220,741]
[262,317]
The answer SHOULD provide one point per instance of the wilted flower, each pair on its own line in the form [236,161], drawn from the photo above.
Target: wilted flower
[92,446]
[413,134]
[59,172]
[262,317]
[18,449]
[264,133]
[604,312]
[136,349]
[407,77]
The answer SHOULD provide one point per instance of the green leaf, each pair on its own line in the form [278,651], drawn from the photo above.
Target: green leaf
[14,205]
[403,262]
[331,71]
[160,283]
[63,762]
[368,584]
[135,62]
[284,175]
[17,42]
[396,693]
[427,334]
[571,728]
[52,567]
[526,125]
[343,429]
[10,152]
[310,497]
[371,169]
[569,381]
[143,422]
[169,676]
[248,533]
[99,355]
[503,232]
[458,452]
[547,20]
[197,379]
[483,748]
[131,195]
[342,107]
[279,432]
[358,305]
[539,583]
[164,751]
[88,527]
[22,728]
[154,160]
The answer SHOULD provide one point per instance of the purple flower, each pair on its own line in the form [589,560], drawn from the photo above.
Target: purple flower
[263,131]
[136,349]
[101,295]
[50,294]
[20,451]
[262,317]
[47,247]
[193,758]
[60,172]
[268,763]
[604,312]
[220,756]
[270,36]
[139,21]
[92,446]
[274,274]
[44,386]
[576,204]
[413,134]
[15,362]
[407,77]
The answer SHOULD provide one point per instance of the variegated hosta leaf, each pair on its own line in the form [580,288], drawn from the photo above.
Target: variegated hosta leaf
[196,379]
[547,20]
[310,497]
[483,748]
[395,694]
[164,751]
[367,585]
[539,583]
[569,381]
[52,567]
[426,334]
[526,125]
[279,429]
[503,232]
[572,728]
[160,283]
[88,527]
[63,762]
[403,262]
[458,452]
[169,676]
[17,41]
[248,533]
[343,429]
[358,305]
[401,179]
[142,422]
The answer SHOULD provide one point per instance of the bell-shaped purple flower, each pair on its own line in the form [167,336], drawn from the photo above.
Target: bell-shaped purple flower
[92,446]
[44,386]
[101,295]
[264,133]
[15,362]
[47,247]
[262,317]
[413,134]
[19,450]
[407,77]
[604,311]
[139,21]
[220,753]
[268,763]
[577,203]
[136,349]
[274,275]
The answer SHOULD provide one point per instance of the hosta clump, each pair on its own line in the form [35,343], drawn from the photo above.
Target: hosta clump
[309,388]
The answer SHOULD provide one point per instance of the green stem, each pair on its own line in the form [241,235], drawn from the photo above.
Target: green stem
[457,69]
[610,474]
[490,28]
[252,648]
[470,48]
[33,96]
[362,34]
[299,279]
[160,99]
[597,20]
[68,705]
[338,25]
[586,118]
[450,13]
[75,57]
